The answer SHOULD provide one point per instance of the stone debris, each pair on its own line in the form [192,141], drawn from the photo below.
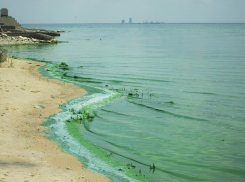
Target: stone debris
[40,107]
[5,39]
[11,32]
[34,30]
[3,35]
[60,31]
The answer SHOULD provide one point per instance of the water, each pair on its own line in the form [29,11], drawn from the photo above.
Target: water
[183,97]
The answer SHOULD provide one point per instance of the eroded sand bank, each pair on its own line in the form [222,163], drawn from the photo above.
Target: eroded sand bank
[25,153]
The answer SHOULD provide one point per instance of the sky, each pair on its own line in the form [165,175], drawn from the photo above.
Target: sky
[114,11]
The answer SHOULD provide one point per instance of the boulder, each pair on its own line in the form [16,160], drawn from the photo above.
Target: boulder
[23,38]
[54,40]
[3,35]
[3,55]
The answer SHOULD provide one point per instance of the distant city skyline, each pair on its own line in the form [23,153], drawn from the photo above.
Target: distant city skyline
[113,11]
[130,20]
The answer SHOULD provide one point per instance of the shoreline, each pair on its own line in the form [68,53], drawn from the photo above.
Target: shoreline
[6,40]
[27,99]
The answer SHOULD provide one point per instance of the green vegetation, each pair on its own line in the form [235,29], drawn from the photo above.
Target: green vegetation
[64,66]
[82,115]
[2,59]
[133,93]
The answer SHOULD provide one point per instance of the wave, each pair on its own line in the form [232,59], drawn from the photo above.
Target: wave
[208,93]
[138,78]
[147,165]
[215,94]
[122,114]
[167,112]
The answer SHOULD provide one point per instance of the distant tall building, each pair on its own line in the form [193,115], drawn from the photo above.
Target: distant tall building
[130,20]
[123,21]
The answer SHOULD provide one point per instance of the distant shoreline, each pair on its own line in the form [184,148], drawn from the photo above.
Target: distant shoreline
[120,23]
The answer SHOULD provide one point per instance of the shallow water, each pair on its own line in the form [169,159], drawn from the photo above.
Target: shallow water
[183,97]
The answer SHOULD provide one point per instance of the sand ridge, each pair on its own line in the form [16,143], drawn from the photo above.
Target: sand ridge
[25,152]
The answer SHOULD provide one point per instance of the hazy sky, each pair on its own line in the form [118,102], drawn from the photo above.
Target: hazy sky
[113,11]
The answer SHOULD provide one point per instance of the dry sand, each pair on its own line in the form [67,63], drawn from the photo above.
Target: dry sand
[25,152]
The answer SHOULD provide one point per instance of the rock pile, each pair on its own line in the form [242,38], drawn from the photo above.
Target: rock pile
[11,32]
[5,39]
[33,30]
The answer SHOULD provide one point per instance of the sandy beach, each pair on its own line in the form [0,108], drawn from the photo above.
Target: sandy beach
[26,100]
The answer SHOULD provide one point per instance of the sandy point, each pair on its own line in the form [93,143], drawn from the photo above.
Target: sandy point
[25,152]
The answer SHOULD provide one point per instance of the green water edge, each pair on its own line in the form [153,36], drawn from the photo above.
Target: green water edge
[87,113]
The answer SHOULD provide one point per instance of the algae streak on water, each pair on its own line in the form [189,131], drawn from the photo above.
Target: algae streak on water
[104,155]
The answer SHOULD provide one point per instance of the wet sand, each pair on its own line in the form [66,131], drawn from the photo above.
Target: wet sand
[25,152]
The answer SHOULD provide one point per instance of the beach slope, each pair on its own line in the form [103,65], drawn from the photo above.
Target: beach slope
[26,100]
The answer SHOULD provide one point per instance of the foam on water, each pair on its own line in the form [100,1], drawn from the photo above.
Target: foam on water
[70,145]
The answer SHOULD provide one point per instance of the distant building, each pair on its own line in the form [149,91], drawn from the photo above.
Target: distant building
[6,20]
[123,21]
[130,20]
[4,12]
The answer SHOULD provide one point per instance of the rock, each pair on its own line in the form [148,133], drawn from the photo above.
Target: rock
[3,55]
[54,40]
[3,35]
[20,35]
[40,107]
[23,38]
[34,40]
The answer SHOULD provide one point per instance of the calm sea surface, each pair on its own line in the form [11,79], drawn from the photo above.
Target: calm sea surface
[183,95]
